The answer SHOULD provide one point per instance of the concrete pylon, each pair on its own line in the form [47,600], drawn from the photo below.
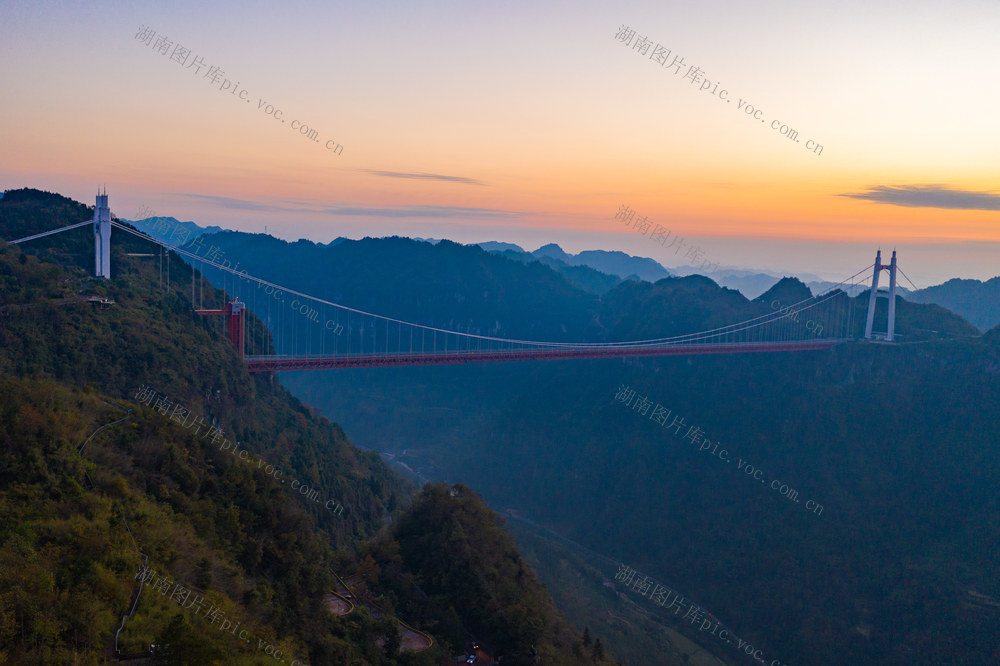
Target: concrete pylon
[874,294]
[871,296]
[891,327]
[102,237]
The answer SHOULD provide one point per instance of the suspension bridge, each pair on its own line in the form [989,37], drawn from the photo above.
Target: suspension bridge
[294,330]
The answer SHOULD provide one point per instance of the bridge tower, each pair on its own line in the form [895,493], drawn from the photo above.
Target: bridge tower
[891,323]
[234,313]
[102,236]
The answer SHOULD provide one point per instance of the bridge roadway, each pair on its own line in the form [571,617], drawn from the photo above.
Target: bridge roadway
[280,363]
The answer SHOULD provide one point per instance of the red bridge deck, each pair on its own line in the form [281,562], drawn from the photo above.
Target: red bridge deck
[280,363]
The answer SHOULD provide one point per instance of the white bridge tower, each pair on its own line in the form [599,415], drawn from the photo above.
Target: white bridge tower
[891,324]
[102,237]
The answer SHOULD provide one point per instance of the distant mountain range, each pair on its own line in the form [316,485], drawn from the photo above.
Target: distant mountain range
[595,271]
[599,271]
[977,301]
[154,227]
[751,283]
[617,264]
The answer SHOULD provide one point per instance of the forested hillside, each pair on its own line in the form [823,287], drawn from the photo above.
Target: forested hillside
[140,458]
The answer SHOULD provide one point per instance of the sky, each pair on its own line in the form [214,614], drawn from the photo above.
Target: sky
[529,123]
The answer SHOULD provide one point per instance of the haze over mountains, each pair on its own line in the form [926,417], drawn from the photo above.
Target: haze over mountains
[977,301]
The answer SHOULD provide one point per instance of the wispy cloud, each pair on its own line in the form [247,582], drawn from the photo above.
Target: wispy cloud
[241,204]
[423,211]
[423,176]
[293,206]
[930,196]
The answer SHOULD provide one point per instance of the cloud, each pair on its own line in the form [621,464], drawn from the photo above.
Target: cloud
[930,196]
[292,206]
[424,211]
[423,176]
[240,204]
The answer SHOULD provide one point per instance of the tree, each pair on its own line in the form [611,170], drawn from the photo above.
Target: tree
[389,630]
[598,650]
[180,644]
